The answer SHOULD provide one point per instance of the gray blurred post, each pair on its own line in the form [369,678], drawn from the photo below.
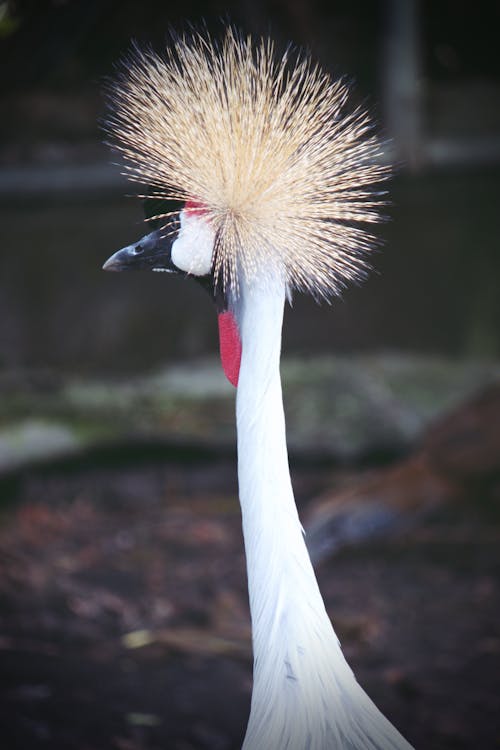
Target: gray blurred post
[401,80]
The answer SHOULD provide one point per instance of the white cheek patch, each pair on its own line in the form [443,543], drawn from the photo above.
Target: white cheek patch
[193,248]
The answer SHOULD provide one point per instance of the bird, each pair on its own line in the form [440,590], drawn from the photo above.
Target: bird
[264,182]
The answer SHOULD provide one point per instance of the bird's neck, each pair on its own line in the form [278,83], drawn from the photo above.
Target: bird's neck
[286,606]
[304,693]
[270,522]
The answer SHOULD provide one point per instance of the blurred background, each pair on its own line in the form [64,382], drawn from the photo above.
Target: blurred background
[123,611]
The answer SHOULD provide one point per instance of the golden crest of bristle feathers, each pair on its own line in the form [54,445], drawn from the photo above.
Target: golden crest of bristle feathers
[264,144]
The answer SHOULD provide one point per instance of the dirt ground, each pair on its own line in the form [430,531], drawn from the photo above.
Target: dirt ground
[124,617]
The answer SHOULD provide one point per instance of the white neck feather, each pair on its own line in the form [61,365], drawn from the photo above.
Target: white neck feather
[305,696]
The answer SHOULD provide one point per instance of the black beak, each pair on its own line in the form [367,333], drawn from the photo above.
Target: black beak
[151,253]
[154,253]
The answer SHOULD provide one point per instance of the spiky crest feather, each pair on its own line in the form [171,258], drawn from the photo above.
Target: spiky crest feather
[264,144]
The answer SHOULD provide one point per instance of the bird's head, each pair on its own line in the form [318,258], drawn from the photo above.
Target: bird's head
[275,175]
[185,245]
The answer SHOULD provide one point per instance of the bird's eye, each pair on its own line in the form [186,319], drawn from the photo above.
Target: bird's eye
[138,249]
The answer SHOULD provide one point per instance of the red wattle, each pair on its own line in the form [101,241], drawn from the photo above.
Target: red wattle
[230,346]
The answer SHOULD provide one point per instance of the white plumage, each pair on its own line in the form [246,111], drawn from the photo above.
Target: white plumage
[305,696]
[278,179]
[192,249]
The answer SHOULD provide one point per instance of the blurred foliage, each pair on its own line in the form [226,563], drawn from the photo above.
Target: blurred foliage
[8,22]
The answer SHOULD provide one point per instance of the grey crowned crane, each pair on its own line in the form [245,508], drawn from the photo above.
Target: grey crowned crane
[274,184]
